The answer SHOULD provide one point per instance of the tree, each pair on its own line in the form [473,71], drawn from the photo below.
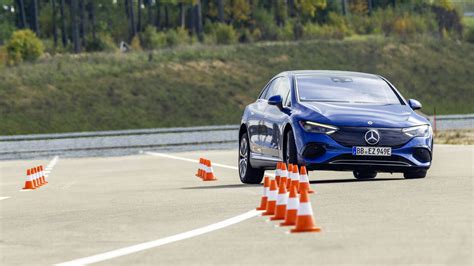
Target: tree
[91,11]
[21,8]
[55,31]
[220,10]
[131,19]
[82,22]
[309,7]
[35,23]
[63,24]
[139,16]
[182,14]
[75,27]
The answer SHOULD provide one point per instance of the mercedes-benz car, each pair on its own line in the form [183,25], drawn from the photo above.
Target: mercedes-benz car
[334,120]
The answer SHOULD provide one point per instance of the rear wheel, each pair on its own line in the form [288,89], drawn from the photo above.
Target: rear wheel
[248,175]
[290,149]
[364,174]
[415,174]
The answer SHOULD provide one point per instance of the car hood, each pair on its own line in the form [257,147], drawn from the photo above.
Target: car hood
[359,115]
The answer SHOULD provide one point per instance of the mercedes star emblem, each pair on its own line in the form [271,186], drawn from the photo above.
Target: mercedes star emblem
[372,137]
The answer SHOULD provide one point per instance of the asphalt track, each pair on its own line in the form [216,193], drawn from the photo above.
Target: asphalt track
[150,209]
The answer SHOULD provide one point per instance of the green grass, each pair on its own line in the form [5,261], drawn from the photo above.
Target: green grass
[211,85]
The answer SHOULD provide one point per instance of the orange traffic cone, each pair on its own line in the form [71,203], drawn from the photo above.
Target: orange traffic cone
[43,179]
[38,176]
[263,201]
[295,179]
[199,172]
[282,200]
[283,171]
[304,181]
[34,174]
[272,197]
[305,219]
[290,175]
[291,208]
[209,176]
[278,173]
[29,180]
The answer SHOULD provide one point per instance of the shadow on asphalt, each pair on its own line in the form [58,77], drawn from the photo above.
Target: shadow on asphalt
[332,181]
[223,186]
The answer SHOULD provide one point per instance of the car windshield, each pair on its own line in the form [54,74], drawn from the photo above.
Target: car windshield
[345,89]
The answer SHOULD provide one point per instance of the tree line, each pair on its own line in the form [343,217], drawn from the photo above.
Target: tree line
[73,22]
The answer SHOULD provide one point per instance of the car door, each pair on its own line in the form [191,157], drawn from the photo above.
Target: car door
[256,127]
[275,118]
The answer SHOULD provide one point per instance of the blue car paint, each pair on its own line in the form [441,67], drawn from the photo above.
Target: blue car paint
[259,118]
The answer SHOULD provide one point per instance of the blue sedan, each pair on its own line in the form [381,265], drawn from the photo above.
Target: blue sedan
[334,120]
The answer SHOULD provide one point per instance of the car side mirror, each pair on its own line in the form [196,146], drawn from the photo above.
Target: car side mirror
[414,104]
[276,100]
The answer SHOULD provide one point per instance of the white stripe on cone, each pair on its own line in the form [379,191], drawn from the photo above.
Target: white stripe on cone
[295,176]
[292,204]
[282,199]
[272,195]
[304,179]
[305,209]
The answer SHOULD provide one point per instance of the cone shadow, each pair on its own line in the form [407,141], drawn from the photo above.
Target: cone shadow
[335,181]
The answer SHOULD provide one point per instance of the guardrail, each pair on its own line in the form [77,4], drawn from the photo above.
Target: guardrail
[444,122]
[114,143]
[124,142]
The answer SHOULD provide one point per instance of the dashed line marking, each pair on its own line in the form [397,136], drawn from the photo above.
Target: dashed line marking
[4,198]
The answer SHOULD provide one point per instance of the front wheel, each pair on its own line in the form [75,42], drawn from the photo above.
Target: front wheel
[290,149]
[364,174]
[415,174]
[248,174]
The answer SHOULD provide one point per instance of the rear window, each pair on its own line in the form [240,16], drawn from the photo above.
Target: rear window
[345,89]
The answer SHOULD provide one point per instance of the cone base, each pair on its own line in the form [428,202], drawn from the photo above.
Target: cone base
[314,229]
[277,218]
[263,205]
[267,213]
[215,179]
[287,224]
[28,188]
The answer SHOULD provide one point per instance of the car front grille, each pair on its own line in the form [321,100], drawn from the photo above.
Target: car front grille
[355,136]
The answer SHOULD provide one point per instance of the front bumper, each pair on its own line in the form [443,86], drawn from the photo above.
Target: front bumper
[339,157]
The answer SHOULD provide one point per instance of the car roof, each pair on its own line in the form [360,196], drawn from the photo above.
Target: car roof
[329,72]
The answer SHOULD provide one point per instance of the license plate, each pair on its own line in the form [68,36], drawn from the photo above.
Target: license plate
[372,151]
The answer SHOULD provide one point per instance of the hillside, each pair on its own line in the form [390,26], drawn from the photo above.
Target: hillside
[202,85]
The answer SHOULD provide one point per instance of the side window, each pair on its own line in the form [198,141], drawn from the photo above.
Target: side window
[266,89]
[271,89]
[284,90]
[287,97]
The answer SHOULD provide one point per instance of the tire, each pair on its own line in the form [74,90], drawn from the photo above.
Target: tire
[248,174]
[290,149]
[415,174]
[361,175]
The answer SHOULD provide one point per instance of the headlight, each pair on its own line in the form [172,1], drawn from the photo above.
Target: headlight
[418,131]
[314,127]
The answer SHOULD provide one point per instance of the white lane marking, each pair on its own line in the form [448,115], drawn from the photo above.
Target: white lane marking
[189,160]
[160,242]
[3,198]
[193,160]
[51,165]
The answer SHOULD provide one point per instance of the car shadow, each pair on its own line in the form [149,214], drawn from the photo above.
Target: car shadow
[223,186]
[329,181]
[352,180]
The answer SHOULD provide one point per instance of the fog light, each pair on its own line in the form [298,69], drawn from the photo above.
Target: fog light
[421,154]
[314,150]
